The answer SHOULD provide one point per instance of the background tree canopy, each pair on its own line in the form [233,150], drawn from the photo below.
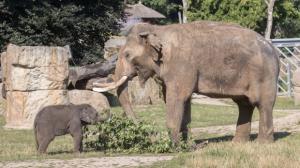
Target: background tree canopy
[248,13]
[84,25]
[251,14]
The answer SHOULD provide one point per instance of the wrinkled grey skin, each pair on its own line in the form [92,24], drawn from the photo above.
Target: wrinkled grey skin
[216,59]
[59,120]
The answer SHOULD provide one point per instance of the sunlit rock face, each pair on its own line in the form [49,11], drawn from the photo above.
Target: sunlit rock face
[33,77]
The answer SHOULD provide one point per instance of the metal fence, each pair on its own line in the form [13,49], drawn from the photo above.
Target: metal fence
[289,61]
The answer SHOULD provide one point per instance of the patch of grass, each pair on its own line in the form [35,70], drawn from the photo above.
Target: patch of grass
[202,115]
[20,144]
[285,103]
[285,152]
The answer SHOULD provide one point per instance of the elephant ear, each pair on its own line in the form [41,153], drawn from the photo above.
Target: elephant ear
[85,115]
[154,41]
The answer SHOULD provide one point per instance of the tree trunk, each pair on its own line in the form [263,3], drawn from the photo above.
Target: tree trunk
[179,17]
[185,6]
[268,31]
[92,71]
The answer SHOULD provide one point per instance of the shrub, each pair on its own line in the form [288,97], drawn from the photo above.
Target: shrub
[123,135]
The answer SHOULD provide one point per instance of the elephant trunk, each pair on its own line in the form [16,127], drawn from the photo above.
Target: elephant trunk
[123,96]
[123,72]
[107,116]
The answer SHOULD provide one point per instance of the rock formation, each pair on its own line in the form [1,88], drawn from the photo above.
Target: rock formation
[33,78]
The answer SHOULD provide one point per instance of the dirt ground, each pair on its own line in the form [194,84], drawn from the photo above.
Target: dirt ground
[103,162]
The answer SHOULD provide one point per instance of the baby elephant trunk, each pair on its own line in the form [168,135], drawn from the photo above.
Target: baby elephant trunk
[106,117]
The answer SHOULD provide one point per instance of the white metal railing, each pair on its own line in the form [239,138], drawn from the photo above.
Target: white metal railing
[289,61]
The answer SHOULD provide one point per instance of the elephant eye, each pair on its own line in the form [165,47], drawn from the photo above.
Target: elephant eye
[126,55]
[136,68]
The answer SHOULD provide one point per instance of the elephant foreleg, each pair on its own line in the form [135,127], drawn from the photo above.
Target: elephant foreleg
[176,101]
[186,119]
[76,132]
[78,142]
[243,127]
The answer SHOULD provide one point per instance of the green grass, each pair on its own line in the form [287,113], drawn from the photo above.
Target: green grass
[20,144]
[285,152]
[285,103]
[205,115]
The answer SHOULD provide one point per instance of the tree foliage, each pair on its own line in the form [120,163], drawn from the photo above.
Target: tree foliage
[287,19]
[84,25]
[250,13]
[243,12]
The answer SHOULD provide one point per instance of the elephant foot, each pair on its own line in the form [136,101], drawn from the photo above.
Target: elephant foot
[175,138]
[185,136]
[42,153]
[240,139]
[265,139]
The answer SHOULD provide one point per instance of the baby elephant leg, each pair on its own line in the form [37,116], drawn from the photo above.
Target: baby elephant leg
[78,142]
[76,132]
[43,143]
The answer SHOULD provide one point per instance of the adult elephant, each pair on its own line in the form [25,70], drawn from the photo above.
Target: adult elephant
[219,60]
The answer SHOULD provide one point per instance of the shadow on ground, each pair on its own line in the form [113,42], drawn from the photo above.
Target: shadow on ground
[277,136]
[61,152]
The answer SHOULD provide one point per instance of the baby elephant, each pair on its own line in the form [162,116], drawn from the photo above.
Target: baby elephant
[59,120]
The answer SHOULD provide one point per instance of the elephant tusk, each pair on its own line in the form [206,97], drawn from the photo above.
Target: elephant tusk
[95,84]
[100,90]
[110,86]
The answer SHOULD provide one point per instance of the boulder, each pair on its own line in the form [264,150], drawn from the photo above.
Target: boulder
[97,100]
[33,77]
[142,96]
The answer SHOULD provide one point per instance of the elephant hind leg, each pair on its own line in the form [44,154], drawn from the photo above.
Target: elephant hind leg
[176,102]
[243,127]
[265,107]
[186,119]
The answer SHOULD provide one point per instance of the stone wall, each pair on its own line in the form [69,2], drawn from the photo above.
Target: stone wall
[33,77]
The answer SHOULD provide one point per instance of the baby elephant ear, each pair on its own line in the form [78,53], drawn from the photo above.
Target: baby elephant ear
[85,115]
[154,41]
